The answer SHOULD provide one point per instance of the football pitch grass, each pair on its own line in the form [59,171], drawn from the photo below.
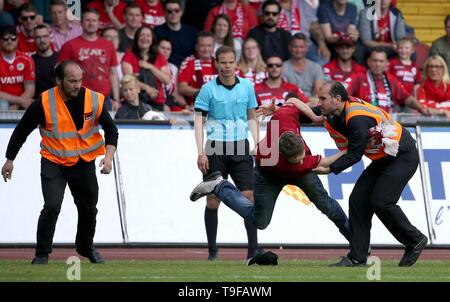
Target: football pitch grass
[222,271]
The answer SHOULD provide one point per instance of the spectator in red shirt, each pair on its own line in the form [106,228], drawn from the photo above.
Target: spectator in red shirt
[275,87]
[282,158]
[149,65]
[251,64]
[110,11]
[153,11]
[16,73]
[198,69]
[242,16]
[97,57]
[403,68]
[28,19]
[435,91]
[343,67]
[381,88]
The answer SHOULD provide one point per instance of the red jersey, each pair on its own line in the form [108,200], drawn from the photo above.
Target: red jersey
[265,94]
[254,77]
[434,96]
[95,58]
[153,15]
[160,62]
[25,44]
[408,75]
[14,74]
[105,21]
[196,72]
[287,118]
[332,71]
[384,93]
[384,29]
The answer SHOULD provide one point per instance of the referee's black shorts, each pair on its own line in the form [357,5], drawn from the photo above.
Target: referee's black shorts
[234,159]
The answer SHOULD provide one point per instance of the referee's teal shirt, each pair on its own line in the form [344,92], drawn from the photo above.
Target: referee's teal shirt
[227,109]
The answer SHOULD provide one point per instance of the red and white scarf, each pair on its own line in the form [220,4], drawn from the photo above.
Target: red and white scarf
[238,26]
[295,19]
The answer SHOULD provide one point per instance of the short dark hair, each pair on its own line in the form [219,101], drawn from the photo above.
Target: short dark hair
[59,3]
[89,10]
[337,88]
[299,36]
[225,49]
[204,34]
[291,144]
[165,3]
[41,26]
[271,2]
[131,6]
[379,50]
[60,70]
[446,20]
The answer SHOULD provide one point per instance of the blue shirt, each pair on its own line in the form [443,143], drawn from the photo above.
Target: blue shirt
[227,109]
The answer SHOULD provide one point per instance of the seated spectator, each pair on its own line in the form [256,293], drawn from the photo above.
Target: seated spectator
[403,68]
[336,18]
[16,73]
[271,40]
[182,36]
[174,100]
[28,20]
[197,70]
[275,87]
[112,34]
[133,107]
[435,91]
[133,20]
[441,46]
[150,66]
[152,11]
[381,88]
[343,67]
[111,12]
[242,17]
[301,16]
[223,35]
[304,73]
[251,64]
[384,30]
[44,60]
[62,30]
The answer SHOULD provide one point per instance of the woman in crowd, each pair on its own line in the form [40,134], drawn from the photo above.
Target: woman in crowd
[223,35]
[251,64]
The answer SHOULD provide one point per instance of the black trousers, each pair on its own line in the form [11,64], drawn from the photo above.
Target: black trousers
[377,191]
[83,185]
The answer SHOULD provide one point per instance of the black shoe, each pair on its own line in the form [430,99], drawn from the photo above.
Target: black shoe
[213,255]
[253,252]
[207,186]
[412,254]
[347,262]
[93,255]
[41,259]
[263,258]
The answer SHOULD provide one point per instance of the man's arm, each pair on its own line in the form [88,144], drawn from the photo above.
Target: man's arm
[253,125]
[111,138]
[187,90]
[306,110]
[199,123]
[114,80]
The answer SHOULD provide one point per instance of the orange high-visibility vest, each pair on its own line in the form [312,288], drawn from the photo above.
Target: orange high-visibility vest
[357,107]
[61,142]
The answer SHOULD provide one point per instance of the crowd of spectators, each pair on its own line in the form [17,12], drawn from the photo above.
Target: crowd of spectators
[165,51]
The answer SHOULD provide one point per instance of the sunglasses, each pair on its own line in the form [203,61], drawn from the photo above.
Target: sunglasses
[267,14]
[26,18]
[173,11]
[9,38]
[274,65]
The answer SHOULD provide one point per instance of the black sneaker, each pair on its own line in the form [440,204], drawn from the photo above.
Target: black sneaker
[347,262]
[213,255]
[206,187]
[412,254]
[40,259]
[93,255]
[263,258]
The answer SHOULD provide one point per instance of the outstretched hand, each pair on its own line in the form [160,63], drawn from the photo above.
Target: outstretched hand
[322,170]
[7,170]
[266,110]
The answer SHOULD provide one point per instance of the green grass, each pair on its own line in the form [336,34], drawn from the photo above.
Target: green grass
[221,271]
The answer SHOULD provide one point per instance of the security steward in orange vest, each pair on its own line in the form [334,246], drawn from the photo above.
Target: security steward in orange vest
[364,129]
[68,116]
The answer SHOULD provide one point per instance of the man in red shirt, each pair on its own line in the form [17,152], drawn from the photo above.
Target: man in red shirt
[28,19]
[97,57]
[16,73]
[198,69]
[153,11]
[275,87]
[343,67]
[282,158]
[380,88]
